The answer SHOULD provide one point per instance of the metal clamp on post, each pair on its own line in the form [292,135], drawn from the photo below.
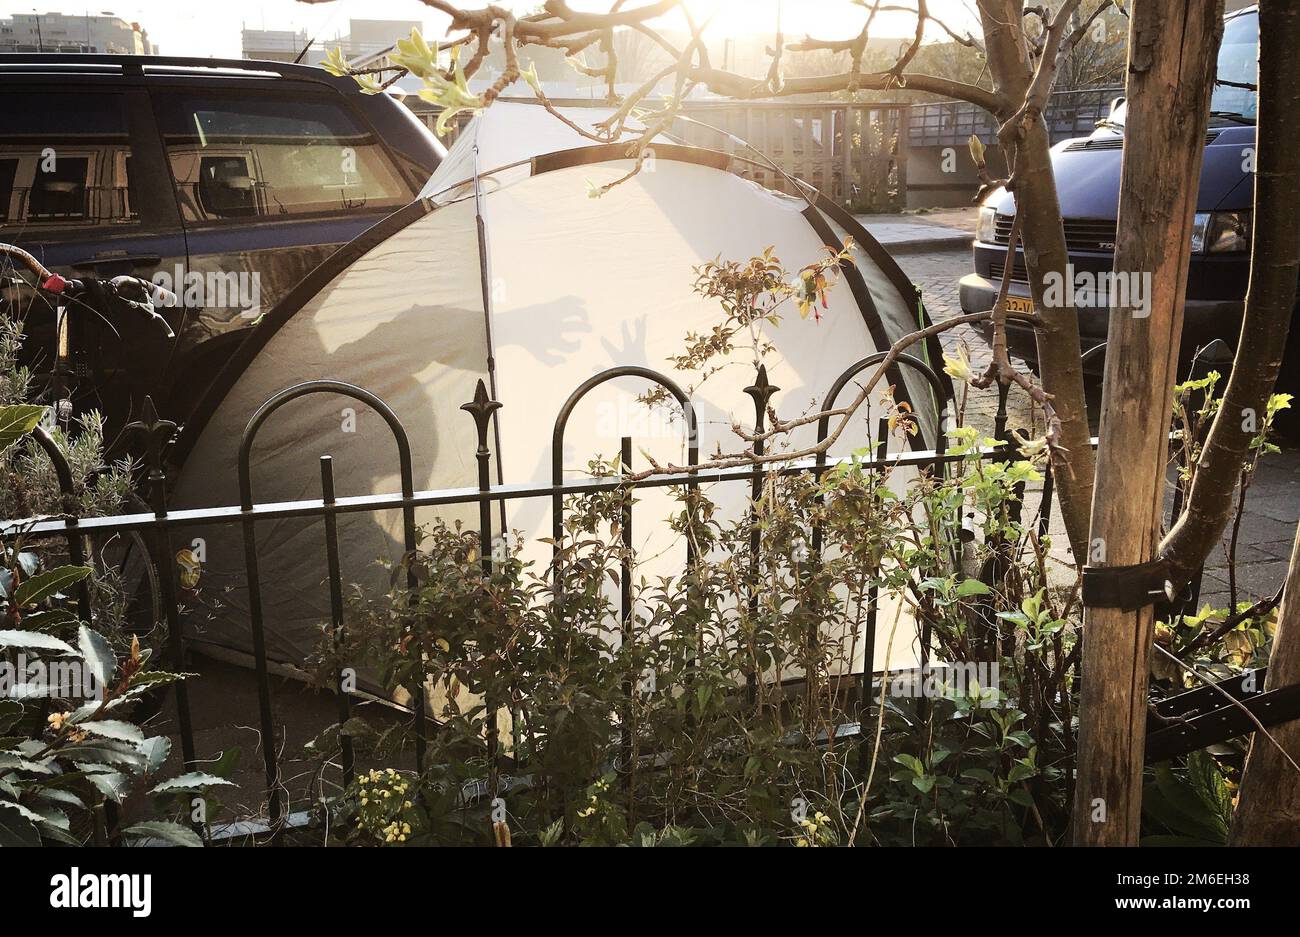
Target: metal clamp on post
[1127,587]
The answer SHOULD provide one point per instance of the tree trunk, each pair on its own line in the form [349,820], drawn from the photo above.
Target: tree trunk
[1059,349]
[1270,299]
[1268,804]
[1043,235]
[1172,50]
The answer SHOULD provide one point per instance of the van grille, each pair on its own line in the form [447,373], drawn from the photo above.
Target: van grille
[1081,234]
[1018,272]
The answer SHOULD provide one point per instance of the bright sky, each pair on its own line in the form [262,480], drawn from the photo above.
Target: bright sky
[208,28]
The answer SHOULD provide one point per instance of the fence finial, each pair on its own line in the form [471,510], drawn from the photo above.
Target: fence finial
[761,391]
[481,408]
[155,434]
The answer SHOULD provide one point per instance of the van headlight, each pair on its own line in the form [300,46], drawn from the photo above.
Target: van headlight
[985,226]
[1220,232]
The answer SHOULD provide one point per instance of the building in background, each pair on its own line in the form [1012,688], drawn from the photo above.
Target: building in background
[73,32]
[278,45]
[363,38]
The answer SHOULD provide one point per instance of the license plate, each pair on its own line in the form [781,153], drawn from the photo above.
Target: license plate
[1020,304]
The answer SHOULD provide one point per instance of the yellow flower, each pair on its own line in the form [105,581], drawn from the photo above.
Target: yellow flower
[1031,449]
[959,367]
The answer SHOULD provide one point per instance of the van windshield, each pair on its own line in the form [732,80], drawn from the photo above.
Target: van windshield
[1236,74]
[1235,69]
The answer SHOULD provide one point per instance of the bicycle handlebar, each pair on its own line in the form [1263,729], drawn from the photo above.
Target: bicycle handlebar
[151,294]
[26,259]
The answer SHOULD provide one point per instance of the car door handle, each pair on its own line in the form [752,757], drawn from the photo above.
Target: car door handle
[135,260]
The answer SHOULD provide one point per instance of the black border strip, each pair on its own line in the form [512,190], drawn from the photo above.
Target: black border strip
[902,283]
[866,305]
[606,152]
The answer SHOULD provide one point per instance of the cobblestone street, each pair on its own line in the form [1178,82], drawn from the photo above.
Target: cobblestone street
[1268,525]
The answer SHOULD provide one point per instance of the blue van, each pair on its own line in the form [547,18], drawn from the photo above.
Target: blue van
[1088,179]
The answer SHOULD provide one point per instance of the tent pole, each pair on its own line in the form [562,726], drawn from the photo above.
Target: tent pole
[485,280]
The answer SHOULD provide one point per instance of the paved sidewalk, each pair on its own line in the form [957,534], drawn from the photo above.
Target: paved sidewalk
[911,232]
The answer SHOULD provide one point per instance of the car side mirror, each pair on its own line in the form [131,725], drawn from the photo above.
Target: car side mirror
[1116,104]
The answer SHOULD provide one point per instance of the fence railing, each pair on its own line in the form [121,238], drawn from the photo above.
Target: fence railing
[951,123]
[156,526]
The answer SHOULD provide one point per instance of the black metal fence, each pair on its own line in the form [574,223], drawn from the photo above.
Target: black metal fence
[157,525]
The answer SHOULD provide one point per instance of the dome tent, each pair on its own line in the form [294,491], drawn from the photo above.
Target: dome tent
[513,275]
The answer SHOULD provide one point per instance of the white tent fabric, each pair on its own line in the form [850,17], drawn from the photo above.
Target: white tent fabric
[572,286]
[507,134]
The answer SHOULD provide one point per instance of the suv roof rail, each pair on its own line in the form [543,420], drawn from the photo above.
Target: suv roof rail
[138,64]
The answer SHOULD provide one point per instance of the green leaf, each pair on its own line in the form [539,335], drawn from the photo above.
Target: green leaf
[17,421]
[18,761]
[924,784]
[10,712]
[146,678]
[47,584]
[111,784]
[911,762]
[113,729]
[194,781]
[35,641]
[56,795]
[155,752]
[16,826]
[969,587]
[54,817]
[98,654]
[1020,796]
[168,832]
[1021,771]
[107,752]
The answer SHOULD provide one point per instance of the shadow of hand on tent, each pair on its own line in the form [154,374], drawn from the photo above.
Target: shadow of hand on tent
[634,346]
[421,361]
[551,332]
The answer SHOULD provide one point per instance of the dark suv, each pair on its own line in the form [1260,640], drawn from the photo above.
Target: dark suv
[225,181]
[1087,174]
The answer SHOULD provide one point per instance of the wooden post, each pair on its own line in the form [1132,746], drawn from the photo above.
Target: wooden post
[1268,805]
[902,149]
[1172,49]
[846,154]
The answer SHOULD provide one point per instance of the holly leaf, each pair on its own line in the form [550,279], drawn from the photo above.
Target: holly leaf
[169,832]
[48,584]
[194,781]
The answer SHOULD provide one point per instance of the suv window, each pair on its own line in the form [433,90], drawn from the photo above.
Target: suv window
[65,161]
[235,158]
